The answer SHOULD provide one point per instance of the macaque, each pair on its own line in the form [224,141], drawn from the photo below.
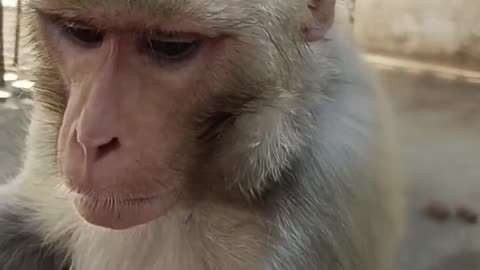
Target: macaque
[200,135]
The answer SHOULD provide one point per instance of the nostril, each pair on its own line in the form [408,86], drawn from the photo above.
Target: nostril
[108,147]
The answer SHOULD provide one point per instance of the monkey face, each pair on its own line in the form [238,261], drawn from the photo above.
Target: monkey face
[156,110]
[127,140]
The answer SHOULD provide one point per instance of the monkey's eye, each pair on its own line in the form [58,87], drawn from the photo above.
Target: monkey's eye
[171,47]
[84,34]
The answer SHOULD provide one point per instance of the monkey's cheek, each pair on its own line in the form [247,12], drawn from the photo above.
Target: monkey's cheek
[124,215]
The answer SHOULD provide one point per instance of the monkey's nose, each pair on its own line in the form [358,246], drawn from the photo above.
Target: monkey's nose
[96,147]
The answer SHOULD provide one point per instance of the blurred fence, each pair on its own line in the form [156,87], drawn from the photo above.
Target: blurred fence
[17,56]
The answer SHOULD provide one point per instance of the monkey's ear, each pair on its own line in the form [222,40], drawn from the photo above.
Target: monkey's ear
[322,15]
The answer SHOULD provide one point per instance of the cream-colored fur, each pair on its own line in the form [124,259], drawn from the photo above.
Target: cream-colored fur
[207,237]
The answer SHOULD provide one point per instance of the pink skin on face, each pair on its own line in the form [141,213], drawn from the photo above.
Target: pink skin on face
[125,122]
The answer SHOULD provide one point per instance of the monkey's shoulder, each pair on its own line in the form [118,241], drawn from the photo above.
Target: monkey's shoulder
[21,245]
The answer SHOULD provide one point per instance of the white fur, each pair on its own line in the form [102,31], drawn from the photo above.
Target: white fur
[175,242]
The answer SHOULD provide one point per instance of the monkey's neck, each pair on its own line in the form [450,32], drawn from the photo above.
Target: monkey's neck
[209,237]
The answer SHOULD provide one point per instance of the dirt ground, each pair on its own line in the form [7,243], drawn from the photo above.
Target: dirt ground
[439,131]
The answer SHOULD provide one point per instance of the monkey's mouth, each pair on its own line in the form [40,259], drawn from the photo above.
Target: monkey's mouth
[120,213]
[111,201]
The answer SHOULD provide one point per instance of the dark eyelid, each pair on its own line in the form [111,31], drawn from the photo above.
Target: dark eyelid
[53,18]
[159,56]
[73,28]
[172,34]
[60,20]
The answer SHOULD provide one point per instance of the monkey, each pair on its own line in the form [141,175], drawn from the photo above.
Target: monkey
[201,134]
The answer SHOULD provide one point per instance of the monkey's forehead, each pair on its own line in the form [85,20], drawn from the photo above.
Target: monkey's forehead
[221,14]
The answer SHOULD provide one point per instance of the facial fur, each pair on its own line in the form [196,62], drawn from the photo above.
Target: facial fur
[200,134]
[141,132]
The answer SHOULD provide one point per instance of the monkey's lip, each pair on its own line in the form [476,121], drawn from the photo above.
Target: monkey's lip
[123,213]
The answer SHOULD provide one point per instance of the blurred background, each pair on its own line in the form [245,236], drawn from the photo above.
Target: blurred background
[427,56]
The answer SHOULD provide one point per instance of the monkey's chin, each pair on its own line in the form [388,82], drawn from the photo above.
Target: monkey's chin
[122,214]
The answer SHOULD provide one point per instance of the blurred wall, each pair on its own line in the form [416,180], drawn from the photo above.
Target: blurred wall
[344,13]
[439,31]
